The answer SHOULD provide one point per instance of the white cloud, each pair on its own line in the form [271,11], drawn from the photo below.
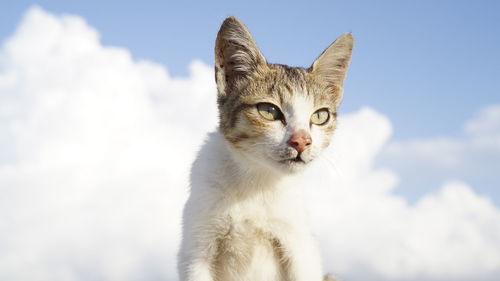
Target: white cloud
[485,128]
[96,149]
[367,232]
[472,155]
[89,187]
[480,134]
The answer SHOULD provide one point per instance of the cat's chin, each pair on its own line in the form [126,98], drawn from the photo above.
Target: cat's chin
[265,164]
[292,166]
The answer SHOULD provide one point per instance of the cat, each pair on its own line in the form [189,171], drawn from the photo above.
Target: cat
[244,219]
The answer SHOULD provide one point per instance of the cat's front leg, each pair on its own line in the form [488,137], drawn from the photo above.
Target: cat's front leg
[197,256]
[197,271]
[196,266]
[302,254]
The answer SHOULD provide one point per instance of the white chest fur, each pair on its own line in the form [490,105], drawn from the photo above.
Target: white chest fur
[250,249]
[240,225]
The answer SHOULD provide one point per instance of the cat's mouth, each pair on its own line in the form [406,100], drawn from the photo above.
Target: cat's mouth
[298,159]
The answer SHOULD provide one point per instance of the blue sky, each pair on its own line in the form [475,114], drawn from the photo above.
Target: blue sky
[429,65]
[408,190]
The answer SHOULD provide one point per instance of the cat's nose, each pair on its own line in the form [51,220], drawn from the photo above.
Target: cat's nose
[300,140]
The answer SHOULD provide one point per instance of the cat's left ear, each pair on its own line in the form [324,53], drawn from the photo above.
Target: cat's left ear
[331,66]
[237,56]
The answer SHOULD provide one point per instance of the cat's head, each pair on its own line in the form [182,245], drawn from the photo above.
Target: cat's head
[272,115]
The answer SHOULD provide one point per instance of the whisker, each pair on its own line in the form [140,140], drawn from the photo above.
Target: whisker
[332,164]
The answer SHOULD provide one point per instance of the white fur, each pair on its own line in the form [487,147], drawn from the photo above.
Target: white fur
[245,221]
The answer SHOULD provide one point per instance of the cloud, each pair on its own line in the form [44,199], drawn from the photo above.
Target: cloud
[482,133]
[368,232]
[472,155]
[95,150]
[484,129]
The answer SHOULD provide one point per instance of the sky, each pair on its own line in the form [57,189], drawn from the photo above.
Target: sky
[412,58]
[429,65]
[94,96]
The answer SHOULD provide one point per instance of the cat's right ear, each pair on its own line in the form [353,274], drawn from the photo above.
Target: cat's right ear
[331,66]
[236,56]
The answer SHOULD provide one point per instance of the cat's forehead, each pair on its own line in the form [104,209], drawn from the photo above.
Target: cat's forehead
[282,83]
[285,79]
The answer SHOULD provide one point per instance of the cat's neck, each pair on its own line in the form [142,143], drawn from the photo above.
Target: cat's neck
[247,177]
[223,168]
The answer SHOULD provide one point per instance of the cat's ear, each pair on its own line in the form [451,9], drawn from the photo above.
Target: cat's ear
[236,55]
[331,66]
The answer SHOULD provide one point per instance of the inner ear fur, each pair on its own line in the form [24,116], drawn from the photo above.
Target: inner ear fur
[331,66]
[236,55]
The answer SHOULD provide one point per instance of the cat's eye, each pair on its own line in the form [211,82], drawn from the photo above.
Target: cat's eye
[320,117]
[269,111]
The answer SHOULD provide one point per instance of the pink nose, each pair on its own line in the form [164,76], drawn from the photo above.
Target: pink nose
[300,140]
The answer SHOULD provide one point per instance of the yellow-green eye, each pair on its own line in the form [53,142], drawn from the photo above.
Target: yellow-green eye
[320,117]
[269,111]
